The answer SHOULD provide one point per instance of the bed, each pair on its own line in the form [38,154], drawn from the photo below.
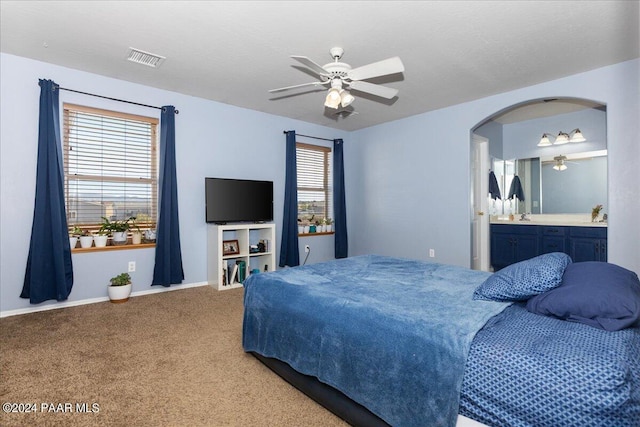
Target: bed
[388,341]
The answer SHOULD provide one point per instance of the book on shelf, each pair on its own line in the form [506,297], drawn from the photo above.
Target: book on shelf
[265,244]
[234,275]
[242,270]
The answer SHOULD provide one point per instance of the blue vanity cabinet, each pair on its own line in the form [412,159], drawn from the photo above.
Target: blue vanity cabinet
[554,239]
[588,244]
[513,243]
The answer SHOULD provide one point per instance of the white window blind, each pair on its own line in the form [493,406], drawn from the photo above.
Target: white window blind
[110,165]
[314,182]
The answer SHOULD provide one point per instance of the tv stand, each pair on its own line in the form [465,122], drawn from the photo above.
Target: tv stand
[246,235]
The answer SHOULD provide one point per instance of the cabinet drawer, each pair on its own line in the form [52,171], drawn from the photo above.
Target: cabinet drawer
[554,244]
[593,232]
[554,231]
[514,229]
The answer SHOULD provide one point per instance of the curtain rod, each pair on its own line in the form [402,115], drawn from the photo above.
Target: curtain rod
[114,99]
[308,136]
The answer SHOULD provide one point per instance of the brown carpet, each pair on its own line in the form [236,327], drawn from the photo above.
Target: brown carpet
[167,359]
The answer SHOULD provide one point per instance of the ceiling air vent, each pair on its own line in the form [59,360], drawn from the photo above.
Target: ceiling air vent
[145,58]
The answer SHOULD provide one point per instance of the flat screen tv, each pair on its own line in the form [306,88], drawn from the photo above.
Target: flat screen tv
[238,200]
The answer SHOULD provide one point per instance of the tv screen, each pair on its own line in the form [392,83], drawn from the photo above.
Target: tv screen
[238,200]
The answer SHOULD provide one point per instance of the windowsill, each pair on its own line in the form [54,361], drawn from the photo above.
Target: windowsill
[113,248]
[325,233]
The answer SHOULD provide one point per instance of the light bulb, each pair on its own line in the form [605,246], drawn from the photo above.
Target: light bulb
[544,141]
[347,98]
[562,138]
[333,98]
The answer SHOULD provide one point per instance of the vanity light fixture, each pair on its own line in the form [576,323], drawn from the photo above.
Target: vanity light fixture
[562,138]
[544,141]
[576,136]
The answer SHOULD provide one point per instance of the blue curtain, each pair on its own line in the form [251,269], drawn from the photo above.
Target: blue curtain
[168,264]
[49,272]
[339,205]
[289,253]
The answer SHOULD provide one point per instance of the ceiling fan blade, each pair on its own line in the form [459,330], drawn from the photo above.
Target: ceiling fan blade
[297,86]
[380,68]
[311,65]
[373,89]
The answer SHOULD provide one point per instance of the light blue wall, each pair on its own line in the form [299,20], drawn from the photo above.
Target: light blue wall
[493,132]
[520,140]
[408,180]
[213,139]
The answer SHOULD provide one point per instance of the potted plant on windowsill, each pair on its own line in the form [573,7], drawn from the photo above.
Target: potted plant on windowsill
[117,229]
[73,236]
[86,239]
[136,233]
[120,288]
[329,225]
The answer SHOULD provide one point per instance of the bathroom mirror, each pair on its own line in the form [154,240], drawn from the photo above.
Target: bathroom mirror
[515,150]
[573,189]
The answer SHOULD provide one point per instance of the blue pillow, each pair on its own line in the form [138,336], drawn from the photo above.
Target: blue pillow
[524,279]
[598,294]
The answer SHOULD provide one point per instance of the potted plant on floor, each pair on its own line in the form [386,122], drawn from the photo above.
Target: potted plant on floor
[120,288]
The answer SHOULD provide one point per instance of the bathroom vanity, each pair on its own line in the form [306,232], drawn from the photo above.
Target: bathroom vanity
[516,240]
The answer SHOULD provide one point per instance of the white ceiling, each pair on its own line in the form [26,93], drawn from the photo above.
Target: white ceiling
[234,52]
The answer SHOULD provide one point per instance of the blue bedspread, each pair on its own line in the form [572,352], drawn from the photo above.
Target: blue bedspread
[392,334]
[527,370]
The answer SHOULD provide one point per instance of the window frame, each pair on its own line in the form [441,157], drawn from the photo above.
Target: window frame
[327,187]
[153,181]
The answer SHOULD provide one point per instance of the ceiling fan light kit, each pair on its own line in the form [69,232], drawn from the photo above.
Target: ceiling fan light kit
[560,166]
[341,78]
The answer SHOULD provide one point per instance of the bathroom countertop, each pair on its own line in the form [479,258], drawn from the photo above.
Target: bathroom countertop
[550,220]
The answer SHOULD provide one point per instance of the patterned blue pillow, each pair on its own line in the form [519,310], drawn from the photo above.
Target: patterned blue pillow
[522,280]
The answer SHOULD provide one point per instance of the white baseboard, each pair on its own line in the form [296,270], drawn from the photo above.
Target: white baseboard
[152,290]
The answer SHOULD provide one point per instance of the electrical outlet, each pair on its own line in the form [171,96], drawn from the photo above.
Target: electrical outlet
[432,253]
[307,249]
[132,266]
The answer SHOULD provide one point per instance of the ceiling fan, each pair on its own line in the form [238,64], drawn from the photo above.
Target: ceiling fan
[340,78]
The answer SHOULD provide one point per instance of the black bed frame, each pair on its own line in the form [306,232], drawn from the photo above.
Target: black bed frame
[327,396]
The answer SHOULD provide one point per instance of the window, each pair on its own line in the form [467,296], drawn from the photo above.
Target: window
[314,182]
[110,167]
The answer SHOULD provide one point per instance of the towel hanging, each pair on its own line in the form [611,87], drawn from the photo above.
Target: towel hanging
[494,189]
[516,189]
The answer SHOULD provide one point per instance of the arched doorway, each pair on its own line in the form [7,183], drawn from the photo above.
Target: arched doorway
[513,147]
